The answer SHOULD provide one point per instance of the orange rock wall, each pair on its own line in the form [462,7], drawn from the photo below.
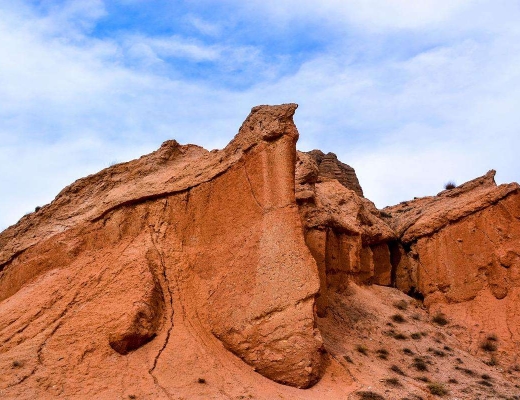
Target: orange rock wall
[470,269]
[146,285]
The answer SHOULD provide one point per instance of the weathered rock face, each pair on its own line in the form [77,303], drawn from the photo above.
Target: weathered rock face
[146,256]
[242,267]
[344,231]
[464,257]
[330,168]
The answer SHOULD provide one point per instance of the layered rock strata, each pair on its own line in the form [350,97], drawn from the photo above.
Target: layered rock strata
[181,240]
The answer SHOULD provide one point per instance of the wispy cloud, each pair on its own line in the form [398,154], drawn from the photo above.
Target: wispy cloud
[411,94]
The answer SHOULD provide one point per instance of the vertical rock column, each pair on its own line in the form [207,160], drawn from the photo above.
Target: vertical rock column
[255,279]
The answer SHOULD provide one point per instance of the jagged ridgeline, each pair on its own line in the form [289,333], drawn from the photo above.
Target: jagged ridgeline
[256,271]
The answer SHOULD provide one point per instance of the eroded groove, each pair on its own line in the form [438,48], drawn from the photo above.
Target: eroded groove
[171,315]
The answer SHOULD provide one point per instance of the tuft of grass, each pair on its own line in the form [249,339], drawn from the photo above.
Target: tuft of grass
[393,382]
[397,370]
[492,361]
[370,396]
[416,336]
[408,351]
[362,349]
[440,319]
[450,185]
[489,346]
[419,364]
[398,318]
[17,364]
[348,359]
[132,396]
[401,305]
[492,338]
[467,371]
[201,380]
[382,354]
[448,348]
[486,377]
[485,383]
[438,389]
[438,353]
[423,379]
[453,380]
[399,336]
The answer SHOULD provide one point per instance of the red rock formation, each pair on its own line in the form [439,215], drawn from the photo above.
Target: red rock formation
[196,274]
[343,230]
[464,258]
[207,240]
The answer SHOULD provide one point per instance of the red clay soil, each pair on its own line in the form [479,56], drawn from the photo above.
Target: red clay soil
[259,272]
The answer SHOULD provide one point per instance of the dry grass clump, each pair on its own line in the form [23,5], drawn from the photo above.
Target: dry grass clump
[419,364]
[440,319]
[17,364]
[393,382]
[467,371]
[489,346]
[398,318]
[438,389]
[401,305]
[369,396]
[362,349]
[397,370]
[201,380]
[492,361]
[408,351]
[348,359]
[416,336]
[450,185]
[382,354]
[436,352]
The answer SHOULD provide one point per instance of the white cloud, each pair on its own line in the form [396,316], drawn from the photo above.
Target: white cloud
[70,104]
[371,15]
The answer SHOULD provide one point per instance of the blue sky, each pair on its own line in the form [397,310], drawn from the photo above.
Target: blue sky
[411,94]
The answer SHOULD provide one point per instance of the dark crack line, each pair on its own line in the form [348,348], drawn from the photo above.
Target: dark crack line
[251,188]
[168,333]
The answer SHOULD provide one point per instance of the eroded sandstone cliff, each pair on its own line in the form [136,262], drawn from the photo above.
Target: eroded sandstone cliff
[255,271]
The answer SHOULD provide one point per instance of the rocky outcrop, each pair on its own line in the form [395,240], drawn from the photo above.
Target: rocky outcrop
[330,168]
[156,261]
[464,258]
[344,231]
[252,272]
